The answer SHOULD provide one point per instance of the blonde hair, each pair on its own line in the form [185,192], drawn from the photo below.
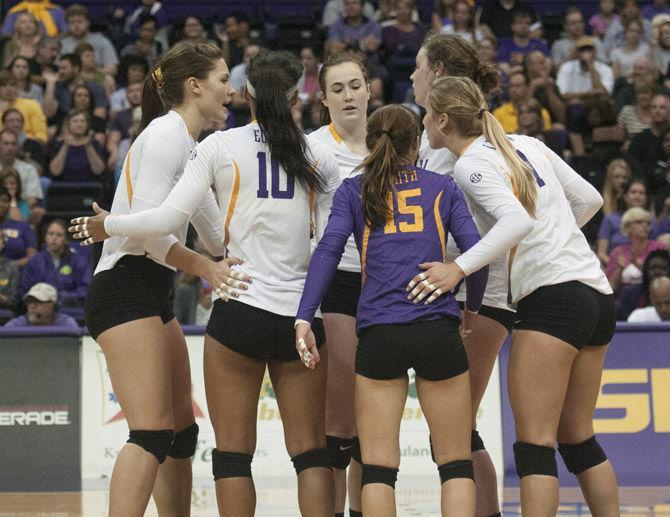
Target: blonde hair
[463,102]
[633,214]
[611,197]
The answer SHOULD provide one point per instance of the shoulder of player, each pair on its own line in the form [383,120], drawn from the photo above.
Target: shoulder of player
[322,135]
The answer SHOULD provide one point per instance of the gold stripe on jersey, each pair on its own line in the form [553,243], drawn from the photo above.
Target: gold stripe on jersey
[129,185]
[364,251]
[233,200]
[333,131]
[440,226]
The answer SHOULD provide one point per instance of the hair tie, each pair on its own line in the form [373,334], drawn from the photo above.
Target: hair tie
[386,132]
[158,77]
[481,112]
[289,93]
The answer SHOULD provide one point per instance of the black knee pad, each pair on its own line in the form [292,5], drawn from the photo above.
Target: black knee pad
[533,459]
[316,458]
[354,513]
[456,469]
[339,451]
[432,451]
[184,442]
[155,442]
[378,474]
[476,442]
[231,464]
[356,450]
[579,457]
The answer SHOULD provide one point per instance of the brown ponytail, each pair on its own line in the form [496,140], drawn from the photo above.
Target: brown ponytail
[164,87]
[463,102]
[392,134]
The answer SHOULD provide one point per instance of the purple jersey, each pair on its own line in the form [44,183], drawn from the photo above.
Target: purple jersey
[426,206]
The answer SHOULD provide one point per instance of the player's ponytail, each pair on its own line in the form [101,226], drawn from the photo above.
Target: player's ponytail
[392,139]
[273,86]
[164,87]
[463,102]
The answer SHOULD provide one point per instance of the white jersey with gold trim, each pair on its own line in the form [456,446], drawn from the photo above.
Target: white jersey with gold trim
[443,161]
[152,167]
[555,250]
[266,215]
[347,161]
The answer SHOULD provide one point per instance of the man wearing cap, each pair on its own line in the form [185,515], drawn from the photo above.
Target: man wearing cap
[42,303]
[564,49]
[579,79]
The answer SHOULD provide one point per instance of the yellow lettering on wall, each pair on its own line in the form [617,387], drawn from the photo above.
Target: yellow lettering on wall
[660,399]
[636,405]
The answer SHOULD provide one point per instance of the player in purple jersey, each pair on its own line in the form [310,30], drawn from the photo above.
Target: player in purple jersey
[399,215]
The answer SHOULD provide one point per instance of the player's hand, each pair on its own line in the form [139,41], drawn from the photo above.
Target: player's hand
[467,323]
[438,278]
[90,229]
[305,344]
[226,282]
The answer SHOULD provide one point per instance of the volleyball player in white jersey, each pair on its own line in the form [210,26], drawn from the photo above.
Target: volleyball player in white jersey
[345,93]
[128,307]
[441,55]
[267,179]
[565,308]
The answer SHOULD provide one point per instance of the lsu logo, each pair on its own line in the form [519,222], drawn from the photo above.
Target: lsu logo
[475,177]
[65,270]
[646,402]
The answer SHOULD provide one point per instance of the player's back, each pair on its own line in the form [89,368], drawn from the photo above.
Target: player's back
[426,206]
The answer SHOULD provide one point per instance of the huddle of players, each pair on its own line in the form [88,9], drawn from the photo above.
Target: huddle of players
[386,295]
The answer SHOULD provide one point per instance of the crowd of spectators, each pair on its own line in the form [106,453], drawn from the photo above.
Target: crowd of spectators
[594,89]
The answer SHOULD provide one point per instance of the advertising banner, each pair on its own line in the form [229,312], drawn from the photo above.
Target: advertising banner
[104,429]
[632,418]
[39,413]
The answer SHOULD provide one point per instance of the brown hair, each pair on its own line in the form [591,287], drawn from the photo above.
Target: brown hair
[611,198]
[164,86]
[10,171]
[83,47]
[463,102]
[334,60]
[76,10]
[460,59]
[392,134]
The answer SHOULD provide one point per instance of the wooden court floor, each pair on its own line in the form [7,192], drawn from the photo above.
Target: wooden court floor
[277,498]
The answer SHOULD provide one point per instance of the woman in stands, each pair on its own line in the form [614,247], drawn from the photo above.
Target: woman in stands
[345,91]
[128,308]
[565,315]
[268,181]
[396,334]
[449,55]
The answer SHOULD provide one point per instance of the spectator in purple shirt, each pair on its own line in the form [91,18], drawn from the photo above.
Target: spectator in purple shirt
[353,26]
[42,304]
[56,265]
[396,334]
[20,239]
[512,50]
[78,156]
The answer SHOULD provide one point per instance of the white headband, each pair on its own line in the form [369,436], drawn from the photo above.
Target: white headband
[252,91]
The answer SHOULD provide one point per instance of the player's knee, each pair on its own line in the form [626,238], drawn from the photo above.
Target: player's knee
[378,474]
[356,450]
[579,457]
[157,443]
[315,458]
[185,442]
[476,442]
[533,459]
[456,469]
[339,451]
[231,464]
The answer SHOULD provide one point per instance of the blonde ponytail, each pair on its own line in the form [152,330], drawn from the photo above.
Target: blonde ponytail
[461,99]
[521,175]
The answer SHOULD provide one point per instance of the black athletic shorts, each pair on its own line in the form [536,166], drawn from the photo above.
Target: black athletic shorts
[433,348]
[572,312]
[257,333]
[343,293]
[503,316]
[135,288]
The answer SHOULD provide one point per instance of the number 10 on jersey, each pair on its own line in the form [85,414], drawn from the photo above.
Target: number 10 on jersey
[277,192]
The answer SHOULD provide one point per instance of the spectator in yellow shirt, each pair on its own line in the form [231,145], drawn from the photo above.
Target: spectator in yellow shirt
[506,114]
[35,120]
